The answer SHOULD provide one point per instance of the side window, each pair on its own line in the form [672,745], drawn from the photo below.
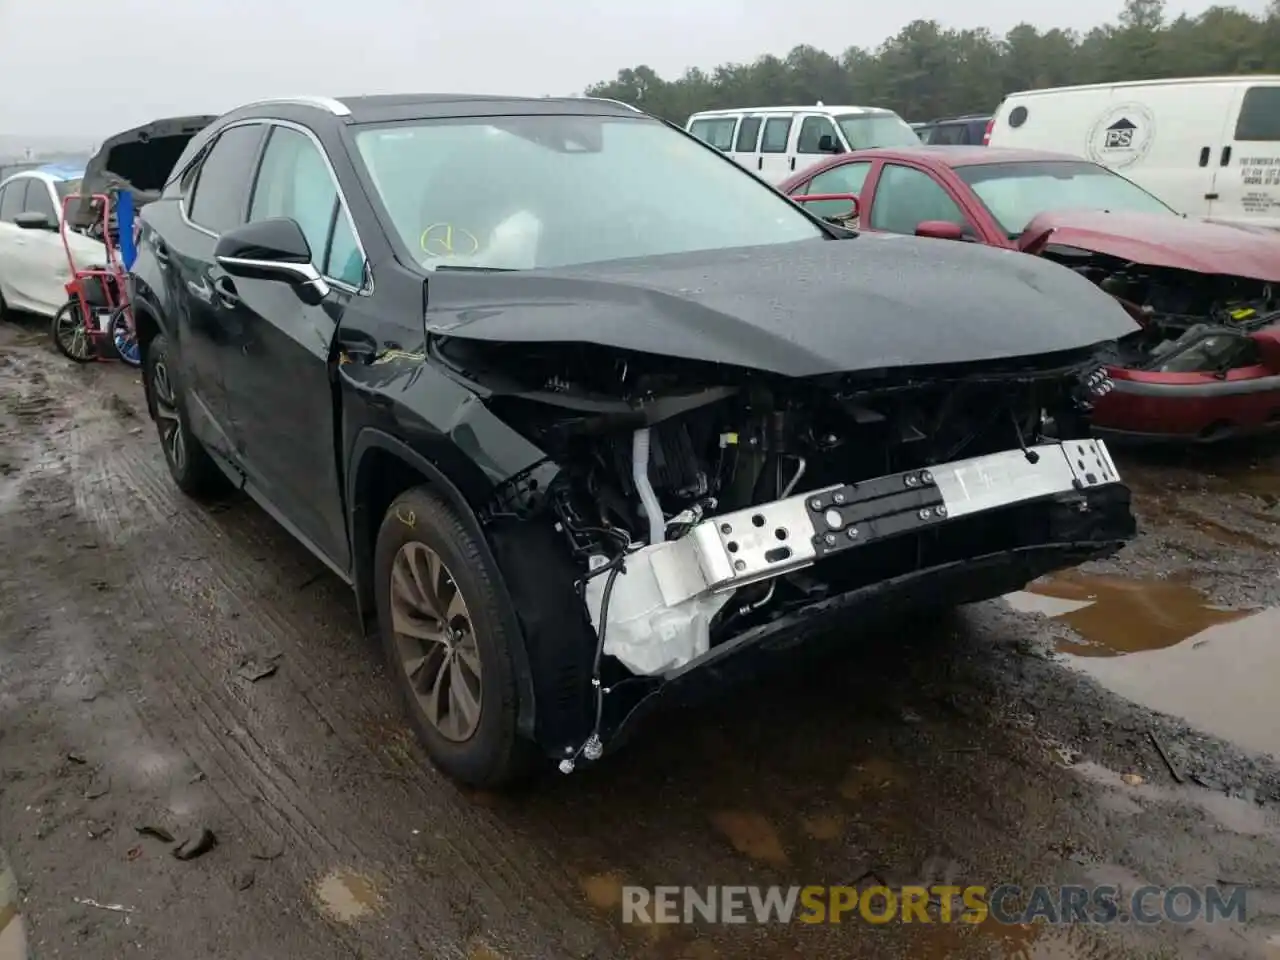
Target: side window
[847,178]
[777,131]
[748,135]
[39,201]
[11,200]
[1259,118]
[948,134]
[294,182]
[812,130]
[717,131]
[906,197]
[222,185]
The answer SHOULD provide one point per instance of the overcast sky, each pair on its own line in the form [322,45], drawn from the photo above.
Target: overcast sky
[100,66]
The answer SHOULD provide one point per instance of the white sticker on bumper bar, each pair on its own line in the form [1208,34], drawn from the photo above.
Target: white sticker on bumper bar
[765,541]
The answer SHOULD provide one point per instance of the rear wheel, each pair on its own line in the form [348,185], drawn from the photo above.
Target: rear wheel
[445,633]
[124,337]
[190,465]
[71,332]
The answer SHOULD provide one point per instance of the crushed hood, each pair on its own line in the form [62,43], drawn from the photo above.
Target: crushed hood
[1161,240]
[799,309]
[143,157]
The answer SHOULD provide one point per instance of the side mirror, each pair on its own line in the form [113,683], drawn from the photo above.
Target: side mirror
[827,144]
[940,230]
[35,220]
[840,219]
[273,249]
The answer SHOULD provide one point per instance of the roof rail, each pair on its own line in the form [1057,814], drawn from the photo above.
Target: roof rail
[629,106]
[329,104]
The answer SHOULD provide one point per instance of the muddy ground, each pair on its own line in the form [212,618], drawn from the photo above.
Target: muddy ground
[980,750]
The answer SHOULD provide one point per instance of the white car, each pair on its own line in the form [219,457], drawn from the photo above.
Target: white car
[34,270]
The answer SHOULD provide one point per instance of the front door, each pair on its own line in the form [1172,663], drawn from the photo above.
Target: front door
[1246,186]
[214,202]
[280,371]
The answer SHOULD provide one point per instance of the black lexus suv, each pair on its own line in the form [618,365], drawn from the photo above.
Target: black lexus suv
[586,414]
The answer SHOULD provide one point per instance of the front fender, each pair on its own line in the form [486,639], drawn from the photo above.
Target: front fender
[361,527]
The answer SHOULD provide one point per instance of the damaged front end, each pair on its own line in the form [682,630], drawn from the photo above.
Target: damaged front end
[1205,363]
[689,514]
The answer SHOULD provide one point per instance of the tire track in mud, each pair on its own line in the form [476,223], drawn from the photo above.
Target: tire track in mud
[50,488]
[128,494]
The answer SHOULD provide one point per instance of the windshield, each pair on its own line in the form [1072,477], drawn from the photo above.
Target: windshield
[866,130]
[1017,192]
[556,191]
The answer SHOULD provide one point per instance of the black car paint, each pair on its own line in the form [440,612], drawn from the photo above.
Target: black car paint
[799,309]
[314,416]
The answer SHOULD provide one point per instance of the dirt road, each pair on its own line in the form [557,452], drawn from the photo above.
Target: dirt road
[173,668]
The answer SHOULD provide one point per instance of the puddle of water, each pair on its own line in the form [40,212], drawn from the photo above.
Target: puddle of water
[602,890]
[346,896]
[1221,679]
[1115,616]
[751,835]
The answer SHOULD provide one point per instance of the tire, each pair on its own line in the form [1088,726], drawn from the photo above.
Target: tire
[68,331]
[123,337]
[492,755]
[190,465]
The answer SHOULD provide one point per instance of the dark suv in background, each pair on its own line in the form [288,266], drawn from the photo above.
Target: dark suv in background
[578,432]
[955,131]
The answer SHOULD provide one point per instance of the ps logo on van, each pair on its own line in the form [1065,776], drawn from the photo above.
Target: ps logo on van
[1122,136]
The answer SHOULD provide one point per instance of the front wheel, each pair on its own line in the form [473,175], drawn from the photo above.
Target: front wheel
[70,329]
[446,637]
[190,465]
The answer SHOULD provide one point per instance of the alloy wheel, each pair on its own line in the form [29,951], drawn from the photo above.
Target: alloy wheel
[436,642]
[172,436]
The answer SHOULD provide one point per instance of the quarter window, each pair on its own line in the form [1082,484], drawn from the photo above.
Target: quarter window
[1259,115]
[748,135]
[221,190]
[906,197]
[777,133]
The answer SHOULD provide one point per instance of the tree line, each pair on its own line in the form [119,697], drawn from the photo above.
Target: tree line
[928,71]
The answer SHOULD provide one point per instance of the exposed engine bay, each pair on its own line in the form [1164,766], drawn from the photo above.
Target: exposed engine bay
[1191,322]
[697,499]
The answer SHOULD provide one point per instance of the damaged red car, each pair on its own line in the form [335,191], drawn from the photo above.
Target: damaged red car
[1205,363]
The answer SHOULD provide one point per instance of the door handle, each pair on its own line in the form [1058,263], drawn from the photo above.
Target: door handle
[793,163]
[1204,156]
[225,292]
[759,163]
[1226,155]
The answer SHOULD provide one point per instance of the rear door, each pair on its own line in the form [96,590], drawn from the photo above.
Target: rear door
[279,377]
[216,201]
[1246,187]
[746,145]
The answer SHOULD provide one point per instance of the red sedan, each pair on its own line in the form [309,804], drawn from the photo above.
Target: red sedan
[1205,363]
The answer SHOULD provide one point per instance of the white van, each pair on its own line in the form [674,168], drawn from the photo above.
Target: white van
[1206,146]
[775,142]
